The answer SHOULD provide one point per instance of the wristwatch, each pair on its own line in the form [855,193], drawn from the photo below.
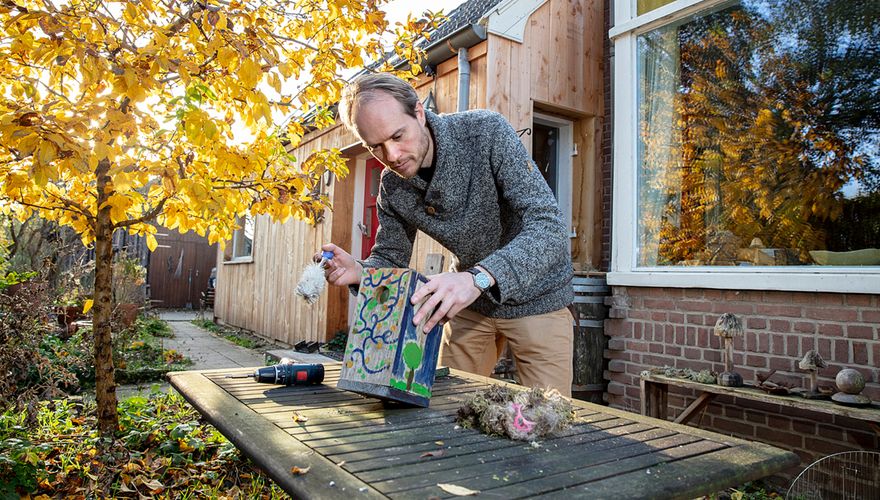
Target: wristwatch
[481,279]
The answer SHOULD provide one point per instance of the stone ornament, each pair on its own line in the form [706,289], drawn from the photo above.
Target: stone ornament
[850,383]
[812,362]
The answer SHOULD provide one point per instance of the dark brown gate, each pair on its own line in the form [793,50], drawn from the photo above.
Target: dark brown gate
[179,269]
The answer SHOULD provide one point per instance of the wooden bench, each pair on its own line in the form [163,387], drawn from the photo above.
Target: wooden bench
[207,299]
[655,390]
[354,446]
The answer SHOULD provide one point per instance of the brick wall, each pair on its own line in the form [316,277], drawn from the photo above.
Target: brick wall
[652,327]
[607,129]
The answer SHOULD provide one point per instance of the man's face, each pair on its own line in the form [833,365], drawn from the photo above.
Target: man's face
[400,141]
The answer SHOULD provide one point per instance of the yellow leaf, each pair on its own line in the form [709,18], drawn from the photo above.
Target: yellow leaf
[28,144]
[221,21]
[249,73]
[459,491]
[227,58]
[152,244]
[130,14]
[87,306]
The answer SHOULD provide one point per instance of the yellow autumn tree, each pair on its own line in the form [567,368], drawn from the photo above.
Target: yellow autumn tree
[116,114]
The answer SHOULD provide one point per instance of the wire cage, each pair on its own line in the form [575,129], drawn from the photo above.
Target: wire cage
[848,475]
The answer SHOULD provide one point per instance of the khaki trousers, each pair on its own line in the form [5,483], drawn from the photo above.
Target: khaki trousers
[541,346]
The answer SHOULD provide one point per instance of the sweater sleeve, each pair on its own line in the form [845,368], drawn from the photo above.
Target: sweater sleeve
[523,266]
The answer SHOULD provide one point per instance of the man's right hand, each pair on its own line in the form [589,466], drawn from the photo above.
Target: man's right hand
[342,269]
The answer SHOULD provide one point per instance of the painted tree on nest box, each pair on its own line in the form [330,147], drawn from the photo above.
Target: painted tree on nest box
[117,114]
[412,357]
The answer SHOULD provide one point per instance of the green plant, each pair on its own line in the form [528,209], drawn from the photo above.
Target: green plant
[238,337]
[154,327]
[161,449]
[31,358]
[207,325]
[241,340]
[139,354]
[753,491]
[14,278]
[337,343]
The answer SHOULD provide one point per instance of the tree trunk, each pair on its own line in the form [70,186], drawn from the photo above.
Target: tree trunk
[105,385]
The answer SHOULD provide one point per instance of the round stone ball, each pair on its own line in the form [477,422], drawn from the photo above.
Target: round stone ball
[850,381]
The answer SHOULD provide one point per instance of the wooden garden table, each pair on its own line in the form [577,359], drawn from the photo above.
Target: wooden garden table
[354,446]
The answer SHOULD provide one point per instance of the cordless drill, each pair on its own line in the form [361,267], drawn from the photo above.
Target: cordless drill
[288,373]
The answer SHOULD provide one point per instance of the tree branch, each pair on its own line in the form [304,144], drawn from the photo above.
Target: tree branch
[152,214]
[76,207]
[63,209]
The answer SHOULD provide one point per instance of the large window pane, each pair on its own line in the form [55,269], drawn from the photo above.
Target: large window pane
[643,6]
[759,136]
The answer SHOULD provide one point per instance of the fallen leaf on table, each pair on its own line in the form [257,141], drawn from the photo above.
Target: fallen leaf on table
[456,490]
[438,453]
[298,470]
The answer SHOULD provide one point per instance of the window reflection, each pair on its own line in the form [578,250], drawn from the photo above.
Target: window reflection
[243,238]
[760,136]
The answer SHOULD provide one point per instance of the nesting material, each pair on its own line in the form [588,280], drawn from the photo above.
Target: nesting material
[312,282]
[702,376]
[524,415]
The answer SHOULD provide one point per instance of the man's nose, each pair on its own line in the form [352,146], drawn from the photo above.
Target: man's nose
[392,152]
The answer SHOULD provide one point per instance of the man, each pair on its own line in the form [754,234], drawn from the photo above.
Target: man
[466,180]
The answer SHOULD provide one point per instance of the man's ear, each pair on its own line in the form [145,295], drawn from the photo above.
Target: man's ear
[420,112]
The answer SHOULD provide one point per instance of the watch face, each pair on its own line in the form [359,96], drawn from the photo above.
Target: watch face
[482,281]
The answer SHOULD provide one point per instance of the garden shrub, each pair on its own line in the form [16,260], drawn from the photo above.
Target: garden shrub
[33,364]
[162,450]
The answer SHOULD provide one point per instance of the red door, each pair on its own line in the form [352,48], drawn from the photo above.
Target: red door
[370,223]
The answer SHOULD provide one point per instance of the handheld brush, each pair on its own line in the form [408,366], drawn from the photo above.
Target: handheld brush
[312,281]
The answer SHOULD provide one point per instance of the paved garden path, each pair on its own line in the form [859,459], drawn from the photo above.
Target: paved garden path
[209,351]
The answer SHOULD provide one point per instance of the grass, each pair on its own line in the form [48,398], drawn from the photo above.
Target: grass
[237,337]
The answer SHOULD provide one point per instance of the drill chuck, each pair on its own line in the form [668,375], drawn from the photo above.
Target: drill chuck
[290,374]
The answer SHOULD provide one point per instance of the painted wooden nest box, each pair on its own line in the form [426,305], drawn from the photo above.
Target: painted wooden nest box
[386,356]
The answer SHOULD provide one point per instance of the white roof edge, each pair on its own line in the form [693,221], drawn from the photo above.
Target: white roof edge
[508,18]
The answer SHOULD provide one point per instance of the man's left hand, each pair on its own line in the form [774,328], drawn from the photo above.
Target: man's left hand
[449,294]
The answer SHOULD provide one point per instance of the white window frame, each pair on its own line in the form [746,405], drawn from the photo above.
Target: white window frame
[624,270]
[234,257]
[563,166]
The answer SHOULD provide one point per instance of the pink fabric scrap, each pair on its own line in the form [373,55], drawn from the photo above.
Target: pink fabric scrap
[520,422]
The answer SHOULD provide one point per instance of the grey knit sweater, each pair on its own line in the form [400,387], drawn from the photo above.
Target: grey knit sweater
[488,204]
